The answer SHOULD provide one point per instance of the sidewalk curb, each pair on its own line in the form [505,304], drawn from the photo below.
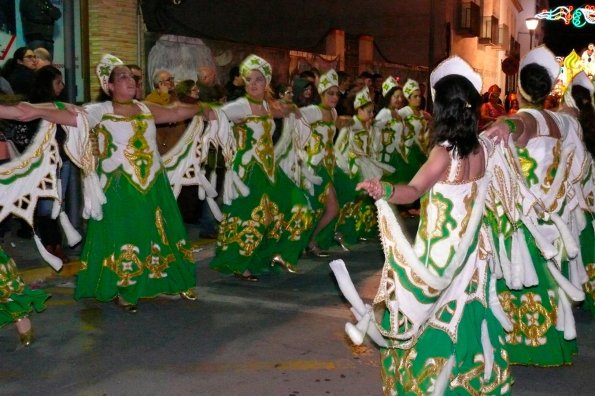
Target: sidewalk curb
[201,250]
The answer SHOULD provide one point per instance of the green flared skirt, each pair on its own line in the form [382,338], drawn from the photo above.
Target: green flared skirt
[534,339]
[403,171]
[16,299]
[414,371]
[357,213]
[415,159]
[270,221]
[139,248]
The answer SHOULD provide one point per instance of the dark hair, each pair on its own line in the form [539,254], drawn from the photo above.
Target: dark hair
[343,75]
[385,99]
[184,87]
[535,82]
[11,63]
[456,115]
[211,94]
[366,74]
[43,88]
[234,72]
[582,98]
[281,89]
[308,74]
[299,86]
[133,66]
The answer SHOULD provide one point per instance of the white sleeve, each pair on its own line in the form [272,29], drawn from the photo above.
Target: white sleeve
[236,110]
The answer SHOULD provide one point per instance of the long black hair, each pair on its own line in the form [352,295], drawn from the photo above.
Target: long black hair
[43,88]
[456,115]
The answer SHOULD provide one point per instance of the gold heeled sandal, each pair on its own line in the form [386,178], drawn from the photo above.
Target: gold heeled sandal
[246,277]
[125,305]
[25,338]
[189,295]
[277,259]
[316,251]
[339,239]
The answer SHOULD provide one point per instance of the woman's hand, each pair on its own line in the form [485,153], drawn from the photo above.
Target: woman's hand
[372,186]
[26,112]
[498,132]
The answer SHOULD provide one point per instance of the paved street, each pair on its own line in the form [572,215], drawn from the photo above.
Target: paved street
[281,336]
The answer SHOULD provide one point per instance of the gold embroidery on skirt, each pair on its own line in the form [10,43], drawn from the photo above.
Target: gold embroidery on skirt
[248,234]
[126,266]
[159,225]
[300,221]
[10,281]
[187,253]
[156,263]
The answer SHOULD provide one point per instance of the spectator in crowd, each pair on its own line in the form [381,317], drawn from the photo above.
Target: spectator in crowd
[137,74]
[235,85]
[163,88]
[345,81]
[303,92]
[38,18]
[20,71]
[44,57]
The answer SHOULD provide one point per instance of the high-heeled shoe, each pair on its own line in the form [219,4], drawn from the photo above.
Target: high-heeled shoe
[26,337]
[339,239]
[316,251]
[246,277]
[277,259]
[125,305]
[189,295]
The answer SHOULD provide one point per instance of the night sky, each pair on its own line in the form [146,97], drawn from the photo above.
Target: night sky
[561,38]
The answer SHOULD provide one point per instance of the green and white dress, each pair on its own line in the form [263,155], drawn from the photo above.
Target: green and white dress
[539,303]
[268,214]
[138,248]
[393,148]
[16,300]
[437,301]
[414,141]
[306,154]
[356,154]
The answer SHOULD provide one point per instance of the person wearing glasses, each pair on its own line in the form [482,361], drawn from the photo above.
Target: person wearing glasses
[20,71]
[164,88]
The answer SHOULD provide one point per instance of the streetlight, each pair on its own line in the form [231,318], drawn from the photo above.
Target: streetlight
[531,24]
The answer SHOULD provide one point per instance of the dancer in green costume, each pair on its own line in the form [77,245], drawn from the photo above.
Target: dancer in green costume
[17,301]
[356,155]
[306,154]
[263,224]
[415,135]
[136,244]
[442,321]
[390,133]
[548,150]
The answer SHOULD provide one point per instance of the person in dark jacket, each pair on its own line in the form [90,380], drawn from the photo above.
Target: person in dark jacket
[38,18]
[19,71]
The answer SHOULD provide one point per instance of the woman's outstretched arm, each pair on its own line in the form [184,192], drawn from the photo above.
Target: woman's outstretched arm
[428,175]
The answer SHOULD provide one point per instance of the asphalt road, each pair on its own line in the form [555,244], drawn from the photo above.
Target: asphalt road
[281,336]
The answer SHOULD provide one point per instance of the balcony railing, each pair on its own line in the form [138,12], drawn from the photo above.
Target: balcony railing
[489,30]
[468,18]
